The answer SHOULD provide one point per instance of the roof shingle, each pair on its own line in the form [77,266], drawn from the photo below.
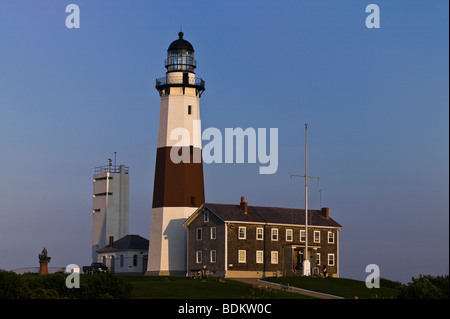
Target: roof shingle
[270,215]
[129,242]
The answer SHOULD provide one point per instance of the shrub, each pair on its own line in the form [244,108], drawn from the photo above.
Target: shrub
[11,287]
[390,283]
[426,287]
[53,286]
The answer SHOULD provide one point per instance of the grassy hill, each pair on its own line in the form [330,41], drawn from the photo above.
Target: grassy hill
[347,288]
[149,287]
[185,288]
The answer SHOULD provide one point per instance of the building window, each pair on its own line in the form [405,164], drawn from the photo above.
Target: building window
[199,234]
[102,194]
[259,256]
[259,233]
[97,210]
[302,235]
[121,260]
[135,257]
[192,200]
[274,257]
[206,216]
[213,232]
[330,237]
[212,256]
[189,109]
[274,234]
[242,233]
[317,236]
[318,259]
[288,234]
[102,178]
[330,259]
[198,257]
[242,258]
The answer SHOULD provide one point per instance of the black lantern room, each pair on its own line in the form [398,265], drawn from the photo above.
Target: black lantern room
[180,56]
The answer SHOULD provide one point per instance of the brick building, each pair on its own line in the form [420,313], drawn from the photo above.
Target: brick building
[254,241]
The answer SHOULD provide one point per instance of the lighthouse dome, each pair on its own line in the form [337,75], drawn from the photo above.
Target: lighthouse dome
[180,56]
[180,44]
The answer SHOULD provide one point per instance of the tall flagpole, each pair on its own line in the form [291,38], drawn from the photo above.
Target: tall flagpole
[306,196]
[306,261]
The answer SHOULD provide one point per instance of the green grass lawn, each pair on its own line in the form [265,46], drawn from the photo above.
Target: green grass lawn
[149,287]
[347,288]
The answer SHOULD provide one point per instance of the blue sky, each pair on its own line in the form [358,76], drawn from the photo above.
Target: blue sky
[376,102]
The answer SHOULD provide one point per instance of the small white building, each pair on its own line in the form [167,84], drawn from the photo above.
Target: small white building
[128,255]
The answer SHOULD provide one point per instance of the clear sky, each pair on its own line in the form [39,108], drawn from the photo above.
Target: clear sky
[376,102]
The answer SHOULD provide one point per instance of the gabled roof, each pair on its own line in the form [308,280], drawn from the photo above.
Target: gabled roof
[129,242]
[266,215]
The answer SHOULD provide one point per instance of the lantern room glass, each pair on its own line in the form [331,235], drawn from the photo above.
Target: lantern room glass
[180,60]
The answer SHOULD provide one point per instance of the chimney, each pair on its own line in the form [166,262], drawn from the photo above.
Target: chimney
[326,212]
[243,205]
[111,240]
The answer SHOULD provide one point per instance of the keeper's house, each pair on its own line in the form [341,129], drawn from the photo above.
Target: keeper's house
[252,241]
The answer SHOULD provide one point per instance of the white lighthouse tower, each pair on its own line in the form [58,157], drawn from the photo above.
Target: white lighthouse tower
[178,187]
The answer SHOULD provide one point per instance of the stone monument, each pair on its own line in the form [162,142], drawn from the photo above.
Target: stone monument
[43,261]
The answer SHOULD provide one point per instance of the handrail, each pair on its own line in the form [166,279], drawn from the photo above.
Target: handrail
[180,80]
[110,169]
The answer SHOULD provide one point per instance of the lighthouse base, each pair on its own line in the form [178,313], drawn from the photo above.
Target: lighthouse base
[180,273]
[168,241]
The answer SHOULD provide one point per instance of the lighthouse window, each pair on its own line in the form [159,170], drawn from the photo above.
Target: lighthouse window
[189,109]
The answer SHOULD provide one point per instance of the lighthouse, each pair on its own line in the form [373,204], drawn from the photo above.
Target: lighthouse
[178,186]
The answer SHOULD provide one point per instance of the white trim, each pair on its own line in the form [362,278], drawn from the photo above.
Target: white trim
[196,233]
[328,237]
[262,256]
[262,233]
[226,248]
[304,237]
[292,235]
[239,256]
[239,232]
[275,224]
[198,253]
[314,236]
[328,260]
[271,234]
[337,253]
[272,254]
[204,206]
